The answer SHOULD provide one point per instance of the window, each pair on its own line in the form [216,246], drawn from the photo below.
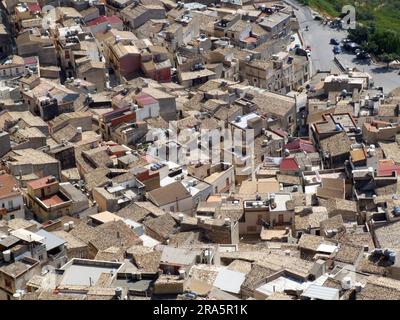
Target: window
[40,257]
[227,182]
[216,189]
[7,283]
[172,208]
[299,235]
[12,217]
[10,204]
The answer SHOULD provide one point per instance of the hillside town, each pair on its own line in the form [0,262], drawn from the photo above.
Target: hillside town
[209,150]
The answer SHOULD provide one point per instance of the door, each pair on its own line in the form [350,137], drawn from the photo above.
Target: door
[280,219]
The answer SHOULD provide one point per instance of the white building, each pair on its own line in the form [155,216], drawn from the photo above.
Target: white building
[11,201]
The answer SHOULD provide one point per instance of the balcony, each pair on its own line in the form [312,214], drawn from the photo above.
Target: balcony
[5,211]
[12,209]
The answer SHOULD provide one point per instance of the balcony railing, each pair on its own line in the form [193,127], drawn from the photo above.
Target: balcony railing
[16,208]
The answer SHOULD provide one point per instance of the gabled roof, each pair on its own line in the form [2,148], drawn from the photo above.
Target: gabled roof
[50,240]
[300,144]
[289,164]
[8,186]
[168,194]
[104,19]
[164,226]
[115,233]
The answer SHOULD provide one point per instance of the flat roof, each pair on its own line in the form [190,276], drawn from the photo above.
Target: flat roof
[149,241]
[230,281]
[82,272]
[320,292]
[53,200]
[243,120]
[280,285]
[326,248]
[105,217]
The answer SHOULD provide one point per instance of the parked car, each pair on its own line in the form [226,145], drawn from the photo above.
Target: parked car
[334,41]
[297,45]
[362,55]
[337,50]
[301,52]
[351,46]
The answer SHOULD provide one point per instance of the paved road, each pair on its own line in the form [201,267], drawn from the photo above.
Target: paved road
[322,56]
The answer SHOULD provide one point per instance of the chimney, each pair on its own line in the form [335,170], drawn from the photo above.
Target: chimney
[272,202]
[79,133]
[182,274]
[118,293]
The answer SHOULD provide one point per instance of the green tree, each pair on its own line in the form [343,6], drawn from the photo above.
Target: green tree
[387,58]
[388,41]
[370,47]
[359,34]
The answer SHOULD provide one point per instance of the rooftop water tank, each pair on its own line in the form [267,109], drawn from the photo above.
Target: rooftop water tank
[7,255]
[227,221]
[182,274]
[118,292]
[392,257]
[346,283]
[66,227]
[17,296]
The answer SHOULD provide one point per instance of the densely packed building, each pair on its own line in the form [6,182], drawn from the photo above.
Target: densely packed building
[157,149]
